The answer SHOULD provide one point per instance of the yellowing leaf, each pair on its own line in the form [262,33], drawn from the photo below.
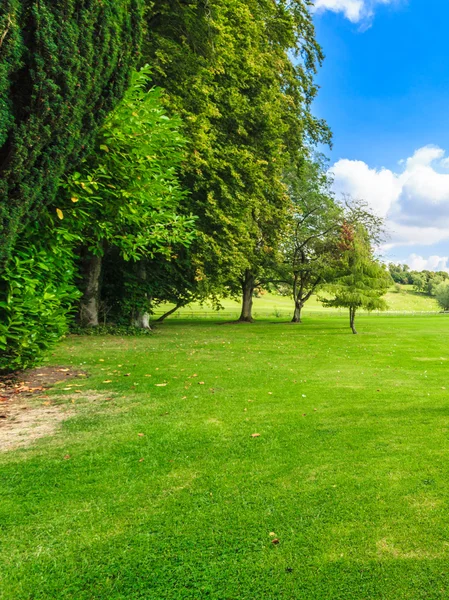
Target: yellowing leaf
[74,199]
[60,213]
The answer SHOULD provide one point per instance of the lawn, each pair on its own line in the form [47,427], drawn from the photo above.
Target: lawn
[281,307]
[350,472]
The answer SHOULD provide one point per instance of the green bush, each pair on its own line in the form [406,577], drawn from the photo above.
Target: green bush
[442,295]
[36,298]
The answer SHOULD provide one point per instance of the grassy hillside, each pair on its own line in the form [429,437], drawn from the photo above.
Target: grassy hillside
[271,305]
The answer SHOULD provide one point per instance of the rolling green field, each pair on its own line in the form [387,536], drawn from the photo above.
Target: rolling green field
[281,307]
[155,489]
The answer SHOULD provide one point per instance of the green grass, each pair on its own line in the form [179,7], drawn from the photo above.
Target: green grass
[350,471]
[281,307]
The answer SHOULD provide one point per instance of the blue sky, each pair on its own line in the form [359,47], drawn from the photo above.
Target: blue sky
[385,94]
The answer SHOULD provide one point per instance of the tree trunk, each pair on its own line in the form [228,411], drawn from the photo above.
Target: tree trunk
[88,314]
[297,313]
[142,317]
[352,319]
[248,285]
[168,313]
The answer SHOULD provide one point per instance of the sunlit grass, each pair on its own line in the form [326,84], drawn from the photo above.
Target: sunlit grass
[350,471]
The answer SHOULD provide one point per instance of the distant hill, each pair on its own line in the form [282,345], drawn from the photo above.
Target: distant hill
[272,305]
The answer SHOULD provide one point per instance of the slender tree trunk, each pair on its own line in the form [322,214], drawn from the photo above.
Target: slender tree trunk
[248,285]
[89,305]
[168,313]
[142,317]
[352,319]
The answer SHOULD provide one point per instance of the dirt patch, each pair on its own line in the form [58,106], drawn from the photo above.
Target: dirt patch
[23,418]
[25,424]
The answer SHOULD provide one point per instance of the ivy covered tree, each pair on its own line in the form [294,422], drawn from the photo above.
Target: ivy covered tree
[63,66]
[228,69]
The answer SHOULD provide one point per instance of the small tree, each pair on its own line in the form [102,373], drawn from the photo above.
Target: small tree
[360,280]
[442,295]
[308,246]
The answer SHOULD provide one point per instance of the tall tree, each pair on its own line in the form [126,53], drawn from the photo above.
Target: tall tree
[63,66]
[228,70]
[308,246]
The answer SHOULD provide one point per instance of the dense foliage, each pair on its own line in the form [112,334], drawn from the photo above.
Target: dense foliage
[63,66]
[425,282]
[126,192]
[37,295]
[228,70]
[442,295]
[360,280]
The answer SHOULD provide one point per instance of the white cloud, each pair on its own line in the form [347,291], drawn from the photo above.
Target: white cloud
[378,187]
[354,10]
[433,263]
[415,201]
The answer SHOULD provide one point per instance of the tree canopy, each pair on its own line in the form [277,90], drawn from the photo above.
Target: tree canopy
[63,66]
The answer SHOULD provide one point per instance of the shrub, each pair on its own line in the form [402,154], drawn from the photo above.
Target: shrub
[36,297]
[442,295]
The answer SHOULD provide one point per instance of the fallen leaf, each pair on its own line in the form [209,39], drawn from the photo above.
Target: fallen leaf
[272,534]
[275,541]
[160,384]
[126,374]
[200,382]
[254,435]
[108,381]
[67,457]
[59,213]
[140,434]
[46,403]
[141,459]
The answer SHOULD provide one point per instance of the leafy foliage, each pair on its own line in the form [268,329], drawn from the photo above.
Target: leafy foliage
[442,295]
[228,70]
[63,66]
[308,248]
[126,193]
[360,280]
[36,296]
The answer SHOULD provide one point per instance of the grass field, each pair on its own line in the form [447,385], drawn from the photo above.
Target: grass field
[281,307]
[350,471]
